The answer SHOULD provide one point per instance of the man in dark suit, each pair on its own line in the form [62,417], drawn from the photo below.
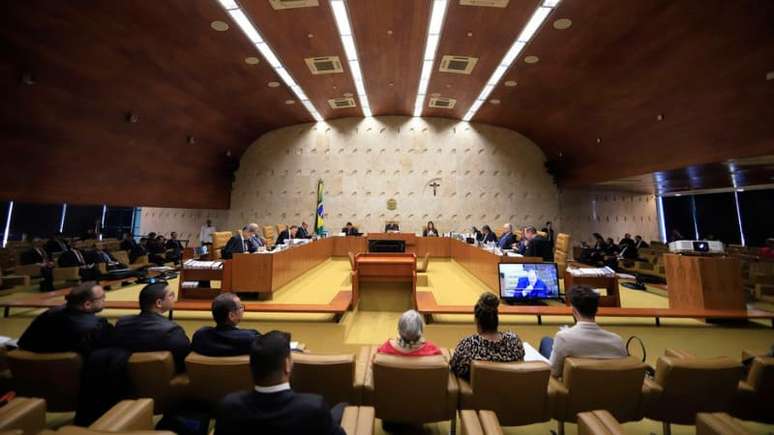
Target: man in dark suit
[99,256]
[507,239]
[537,245]
[639,243]
[56,244]
[241,242]
[225,339]
[273,408]
[133,248]
[391,226]
[349,230]
[174,248]
[38,255]
[290,233]
[303,231]
[74,258]
[72,327]
[150,331]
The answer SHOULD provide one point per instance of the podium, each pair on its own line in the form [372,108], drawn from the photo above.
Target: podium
[704,282]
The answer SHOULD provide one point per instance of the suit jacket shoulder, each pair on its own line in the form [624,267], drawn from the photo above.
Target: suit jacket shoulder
[223,341]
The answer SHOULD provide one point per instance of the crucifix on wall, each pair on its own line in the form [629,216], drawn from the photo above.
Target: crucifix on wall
[435,186]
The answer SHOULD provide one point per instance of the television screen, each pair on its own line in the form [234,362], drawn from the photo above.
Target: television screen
[528,281]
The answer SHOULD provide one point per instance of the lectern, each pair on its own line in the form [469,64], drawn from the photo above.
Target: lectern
[704,282]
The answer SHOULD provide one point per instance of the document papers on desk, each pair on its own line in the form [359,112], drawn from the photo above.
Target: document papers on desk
[591,272]
[531,354]
[203,265]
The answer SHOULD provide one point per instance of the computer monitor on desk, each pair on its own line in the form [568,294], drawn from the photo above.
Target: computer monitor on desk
[528,281]
[386,246]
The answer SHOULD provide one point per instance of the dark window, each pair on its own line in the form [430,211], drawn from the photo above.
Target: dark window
[716,217]
[757,209]
[118,220]
[4,206]
[35,220]
[80,219]
[678,215]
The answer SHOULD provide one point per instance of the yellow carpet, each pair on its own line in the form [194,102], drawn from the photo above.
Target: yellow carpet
[451,284]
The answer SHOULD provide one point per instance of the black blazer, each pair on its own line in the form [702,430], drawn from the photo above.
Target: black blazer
[426,233]
[223,341]
[283,235]
[33,257]
[54,245]
[351,232]
[235,245]
[285,412]
[98,256]
[541,247]
[302,234]
[490,237]
[391,227]
[62,329]
[70,259]
[150,332]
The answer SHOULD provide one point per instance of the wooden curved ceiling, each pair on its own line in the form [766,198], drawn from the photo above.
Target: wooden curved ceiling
[591,102]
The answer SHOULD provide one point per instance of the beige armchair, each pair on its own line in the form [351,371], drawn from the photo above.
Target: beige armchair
[358,420]
[219,241]
[562,251]
[718,423]
[755,394]
[331,376]
[598,422]
[55,377]
[24,414]
[212,378]
[479,423]
[152,375]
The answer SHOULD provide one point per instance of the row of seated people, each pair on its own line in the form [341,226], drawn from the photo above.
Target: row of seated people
[606,252]
[248,239]
[159,249]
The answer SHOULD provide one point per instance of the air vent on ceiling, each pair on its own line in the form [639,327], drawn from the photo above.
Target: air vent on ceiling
[324,65]
[342,103]
[442,102]
[458,64]
[487,3]
[292,4]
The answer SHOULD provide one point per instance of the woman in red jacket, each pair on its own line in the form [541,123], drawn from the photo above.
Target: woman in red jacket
[409,341]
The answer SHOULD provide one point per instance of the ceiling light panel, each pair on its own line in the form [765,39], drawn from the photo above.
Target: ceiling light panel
[525,36]
[237,14]
[340,14]
[433,36]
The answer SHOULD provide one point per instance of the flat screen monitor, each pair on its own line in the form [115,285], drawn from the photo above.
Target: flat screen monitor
[386,246]
[528,281]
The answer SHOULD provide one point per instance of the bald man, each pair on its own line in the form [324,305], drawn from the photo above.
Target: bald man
[507,239]
[242,242]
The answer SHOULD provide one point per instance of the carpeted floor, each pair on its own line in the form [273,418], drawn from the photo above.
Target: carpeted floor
[451,284]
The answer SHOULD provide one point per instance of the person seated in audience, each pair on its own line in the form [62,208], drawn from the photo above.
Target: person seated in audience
[349,230]
[37,255]
[150,331]
[768,250]
[507,239]
[99,256]
[287,234]
[612,248]
[133,248]
[156,250]
[488,344]
[487,235]
[537,245]
[72,327]
[639,243]
[74,258]
[273,407]
[225,339]
[626,241]
[391,226]
[56,244]
[242,242]
[410,341]
[584,340]
[429,230]
[174,248]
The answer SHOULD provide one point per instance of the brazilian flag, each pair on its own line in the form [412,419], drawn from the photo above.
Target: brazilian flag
[319,228]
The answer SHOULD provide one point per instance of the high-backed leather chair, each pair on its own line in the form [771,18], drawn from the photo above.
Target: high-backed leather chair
[755,394]
[423,262]
[503,387]
[55,377]
[152,375]
[281,228]
[64,276]
[219,241]
[718,423]
[270,234]
[562,251]
[685,386]
[126,415]
[412,389]
[598,422]
[615,385]
[24,414]
[331,376]
[211,378]
[358,420]
[479,423]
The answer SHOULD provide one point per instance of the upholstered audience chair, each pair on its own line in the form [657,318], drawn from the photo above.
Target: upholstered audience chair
[615,385]
[126,415]
[479,423]
[718,423]
[24,414]
[358,420]
[212,378]
[55,377]
[66,276]
[423,262]
[152,375]
[335,377]
[219,241]
[270,234]
[755,394]
[598,422]
[685,386]
[502,387]
[141,261]
[412,389]
[562,251]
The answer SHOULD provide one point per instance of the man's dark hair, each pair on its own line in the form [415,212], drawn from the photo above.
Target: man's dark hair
[585,300]
[82,293]
[638,236]
[349,224]
[150,294]
[531,230]
[267,356]
[293,226]
[486,312]
[222,305]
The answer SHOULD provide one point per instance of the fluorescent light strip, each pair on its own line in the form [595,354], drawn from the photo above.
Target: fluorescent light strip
[7,223]
[247,27]
[61,221]
[527,33]
[350,49]
[431,46]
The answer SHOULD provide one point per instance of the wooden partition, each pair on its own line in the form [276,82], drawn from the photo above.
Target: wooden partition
[480,263]
[699,282]
[342,246]
[439,247]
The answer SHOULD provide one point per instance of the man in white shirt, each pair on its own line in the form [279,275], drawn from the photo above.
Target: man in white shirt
[586,339]
[205,233]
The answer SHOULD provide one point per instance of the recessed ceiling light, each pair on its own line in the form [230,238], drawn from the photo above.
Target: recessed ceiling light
[448,86]
[347,94]
[740,190]
[290,101]
[435,94]
[220,26]
[310,35]
[391,84]
[660,117]
[494,101]
[770,75]
[531,59]
[510,83]
[273,84]
[470,34]
[434,28]
[599,140]
[562,24]
[678,194]
[389,32]
[252,60]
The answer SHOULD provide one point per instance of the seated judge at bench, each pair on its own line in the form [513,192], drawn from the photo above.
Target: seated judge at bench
[507,239]
[225,339]
[303,231]
[487,235]
[391,226]
[290,233]
[537,245]
[350,230]
[409,341]
[241,243]
[430,230]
